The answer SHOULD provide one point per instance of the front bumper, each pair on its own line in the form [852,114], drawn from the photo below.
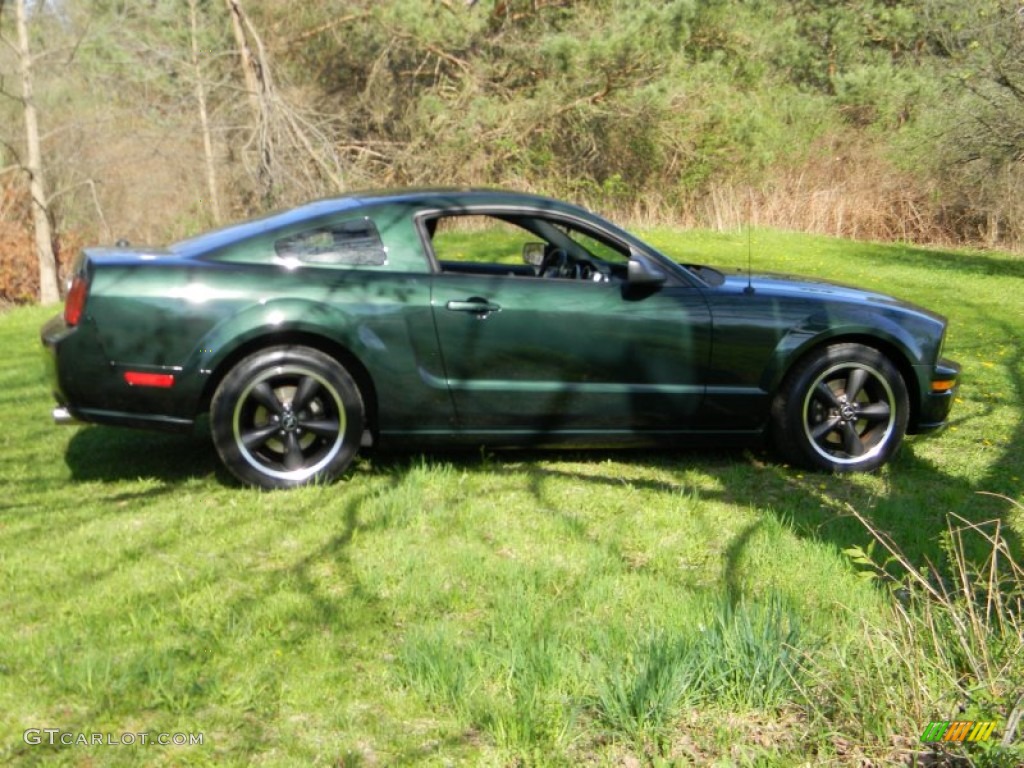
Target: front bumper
[937,401]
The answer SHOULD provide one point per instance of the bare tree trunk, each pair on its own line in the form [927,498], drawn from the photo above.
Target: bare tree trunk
[292,148]
[249,66]
[258,86]
[48,289]
[204,115]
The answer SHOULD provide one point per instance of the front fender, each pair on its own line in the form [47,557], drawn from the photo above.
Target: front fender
[839,324]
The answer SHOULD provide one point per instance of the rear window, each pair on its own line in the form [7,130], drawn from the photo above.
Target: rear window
[353,243]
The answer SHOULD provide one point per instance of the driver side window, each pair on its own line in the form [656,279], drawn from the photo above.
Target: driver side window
[522,245]
[598,248]
[476,239]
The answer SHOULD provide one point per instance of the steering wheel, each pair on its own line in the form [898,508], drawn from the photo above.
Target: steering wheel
[558,264]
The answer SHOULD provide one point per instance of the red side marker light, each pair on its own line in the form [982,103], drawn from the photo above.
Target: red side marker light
[140,379]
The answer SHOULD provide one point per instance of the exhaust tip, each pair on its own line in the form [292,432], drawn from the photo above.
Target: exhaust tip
[62,415]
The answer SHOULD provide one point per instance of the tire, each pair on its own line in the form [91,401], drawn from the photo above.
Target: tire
[287,416]
[844,408]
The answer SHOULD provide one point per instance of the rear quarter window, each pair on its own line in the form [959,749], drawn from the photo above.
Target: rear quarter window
[353,243]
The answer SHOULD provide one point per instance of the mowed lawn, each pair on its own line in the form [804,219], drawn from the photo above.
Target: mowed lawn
[514,608]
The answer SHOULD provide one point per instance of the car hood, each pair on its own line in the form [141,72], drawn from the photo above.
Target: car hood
[795,286]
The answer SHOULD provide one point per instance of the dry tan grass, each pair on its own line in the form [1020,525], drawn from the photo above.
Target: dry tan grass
[843,191]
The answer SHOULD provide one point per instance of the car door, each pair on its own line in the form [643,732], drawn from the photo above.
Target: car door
[537,355]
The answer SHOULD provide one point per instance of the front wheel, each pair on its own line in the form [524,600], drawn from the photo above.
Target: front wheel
[286,416]
[842,409]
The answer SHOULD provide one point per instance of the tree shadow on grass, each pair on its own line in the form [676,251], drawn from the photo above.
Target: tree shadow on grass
[917,502]
[813,504]
[919,494]
[957,263]
[116,454]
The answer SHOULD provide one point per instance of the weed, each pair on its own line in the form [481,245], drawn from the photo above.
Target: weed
[956,633]
[744,658]
[639,697]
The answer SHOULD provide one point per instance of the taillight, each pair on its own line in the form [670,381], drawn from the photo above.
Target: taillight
[75,302]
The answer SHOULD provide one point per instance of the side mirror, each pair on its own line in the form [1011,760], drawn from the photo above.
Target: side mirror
[533,253]
[641,272]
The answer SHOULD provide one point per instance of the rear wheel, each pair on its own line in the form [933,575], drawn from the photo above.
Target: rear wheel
[286,416]
[843,409]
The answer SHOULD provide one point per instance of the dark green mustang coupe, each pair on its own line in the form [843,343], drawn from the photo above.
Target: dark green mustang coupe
[480,317]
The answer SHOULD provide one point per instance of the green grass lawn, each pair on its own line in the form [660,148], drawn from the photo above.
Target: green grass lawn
[528,608]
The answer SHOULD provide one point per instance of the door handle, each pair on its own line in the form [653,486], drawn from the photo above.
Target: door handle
[475,305]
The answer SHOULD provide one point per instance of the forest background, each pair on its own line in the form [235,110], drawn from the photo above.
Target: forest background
[154,119]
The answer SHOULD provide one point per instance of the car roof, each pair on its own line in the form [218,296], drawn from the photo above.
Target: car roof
[427,198]
[463,197]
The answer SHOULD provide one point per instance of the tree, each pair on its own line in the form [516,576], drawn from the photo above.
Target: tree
[293,146]
[980,123]
[204,112]
[32,164]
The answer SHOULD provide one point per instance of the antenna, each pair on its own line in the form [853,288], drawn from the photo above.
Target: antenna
[750,248]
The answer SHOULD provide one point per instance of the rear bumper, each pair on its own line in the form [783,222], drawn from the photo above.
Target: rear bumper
[134,420]
[943,385]
[52,335]
[89,389]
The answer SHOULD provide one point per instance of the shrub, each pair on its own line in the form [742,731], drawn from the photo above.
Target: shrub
[951,646]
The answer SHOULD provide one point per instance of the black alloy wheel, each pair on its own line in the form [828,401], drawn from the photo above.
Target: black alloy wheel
[287,416]
[844,408]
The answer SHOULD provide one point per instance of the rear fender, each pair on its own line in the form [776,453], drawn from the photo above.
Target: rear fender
[268,318]
[392,348]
